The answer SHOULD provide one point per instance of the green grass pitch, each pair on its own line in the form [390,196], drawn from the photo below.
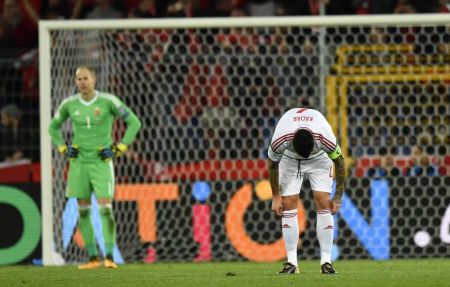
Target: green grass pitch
[360,273]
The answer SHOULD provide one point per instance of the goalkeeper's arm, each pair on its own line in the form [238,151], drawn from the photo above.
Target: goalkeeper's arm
[55,125]
[133,126]
[55,133]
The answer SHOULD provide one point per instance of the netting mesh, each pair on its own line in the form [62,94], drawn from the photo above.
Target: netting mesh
[193,187]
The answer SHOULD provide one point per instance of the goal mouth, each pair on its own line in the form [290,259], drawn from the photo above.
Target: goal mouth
[209,93]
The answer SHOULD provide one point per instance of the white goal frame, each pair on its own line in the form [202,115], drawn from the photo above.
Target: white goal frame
[45,27]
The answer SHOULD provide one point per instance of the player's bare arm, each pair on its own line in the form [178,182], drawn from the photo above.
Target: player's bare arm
[277,206]
[339,165]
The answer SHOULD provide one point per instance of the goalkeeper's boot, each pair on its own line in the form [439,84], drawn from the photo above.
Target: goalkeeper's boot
[288,268]
[93,263]
[327,268]
[109,262]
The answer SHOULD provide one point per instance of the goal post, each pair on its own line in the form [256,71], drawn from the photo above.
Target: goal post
[46,146]
[210,91]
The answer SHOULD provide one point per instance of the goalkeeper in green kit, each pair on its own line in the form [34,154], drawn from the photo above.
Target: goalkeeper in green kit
[91,152]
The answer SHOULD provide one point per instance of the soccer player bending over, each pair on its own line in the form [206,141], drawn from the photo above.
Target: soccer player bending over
[304,145]
[91,152]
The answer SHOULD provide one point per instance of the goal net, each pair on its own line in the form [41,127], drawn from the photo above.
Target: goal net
[209,93]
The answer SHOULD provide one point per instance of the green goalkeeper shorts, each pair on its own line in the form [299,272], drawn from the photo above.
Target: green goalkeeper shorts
[85,178]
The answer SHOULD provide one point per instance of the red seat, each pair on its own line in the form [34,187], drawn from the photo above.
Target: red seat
[364,162]
[36,172]
[15,172]
[400,162]
[447,160]
[359,172]
[376,161]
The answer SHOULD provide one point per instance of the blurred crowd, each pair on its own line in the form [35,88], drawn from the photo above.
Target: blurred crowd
[19,92]
[19,18]
[419,163]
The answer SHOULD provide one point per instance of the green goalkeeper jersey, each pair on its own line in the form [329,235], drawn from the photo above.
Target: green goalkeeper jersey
[92,123]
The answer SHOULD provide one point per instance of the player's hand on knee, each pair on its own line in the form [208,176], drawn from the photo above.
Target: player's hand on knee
[106,153]
[119,149]
[277,206]
[335,205]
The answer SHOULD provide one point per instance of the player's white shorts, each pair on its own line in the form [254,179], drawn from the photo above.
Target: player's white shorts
[292,172]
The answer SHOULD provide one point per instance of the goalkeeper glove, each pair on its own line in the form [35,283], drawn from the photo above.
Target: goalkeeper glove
[71,152]
[62,149]
[106,154]
[119,149]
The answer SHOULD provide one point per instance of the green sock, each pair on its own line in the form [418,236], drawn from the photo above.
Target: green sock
[87,230]
[108,228]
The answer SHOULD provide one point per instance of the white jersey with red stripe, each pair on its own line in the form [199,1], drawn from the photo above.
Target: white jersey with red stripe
[301,118]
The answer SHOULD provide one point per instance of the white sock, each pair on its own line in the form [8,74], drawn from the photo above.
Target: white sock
[325,232]
[289,226]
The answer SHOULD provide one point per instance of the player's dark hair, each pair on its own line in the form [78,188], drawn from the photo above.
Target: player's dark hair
[303,142]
